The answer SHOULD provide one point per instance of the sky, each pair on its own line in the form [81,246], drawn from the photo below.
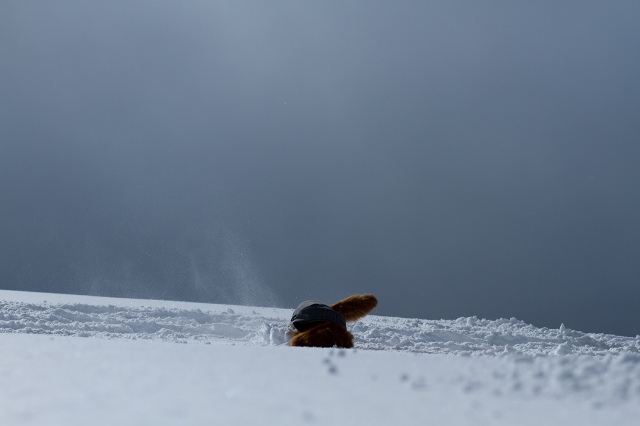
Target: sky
[453,158]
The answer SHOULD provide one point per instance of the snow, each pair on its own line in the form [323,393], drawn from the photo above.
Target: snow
[67,360]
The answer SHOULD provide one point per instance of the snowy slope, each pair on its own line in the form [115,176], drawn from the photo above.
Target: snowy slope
[87,360]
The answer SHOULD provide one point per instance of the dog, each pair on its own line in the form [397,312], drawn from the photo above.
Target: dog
[319,325]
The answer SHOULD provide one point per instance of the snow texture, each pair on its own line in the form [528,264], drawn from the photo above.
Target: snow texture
[77,360]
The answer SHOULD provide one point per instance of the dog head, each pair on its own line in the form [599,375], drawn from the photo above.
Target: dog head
[324,326]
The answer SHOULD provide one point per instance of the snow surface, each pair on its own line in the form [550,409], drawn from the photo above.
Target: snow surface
[67,360]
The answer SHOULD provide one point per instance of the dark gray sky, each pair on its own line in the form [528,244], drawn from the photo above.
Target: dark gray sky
[454,158]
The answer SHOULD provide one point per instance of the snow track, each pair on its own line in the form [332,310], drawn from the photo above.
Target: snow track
[111,321]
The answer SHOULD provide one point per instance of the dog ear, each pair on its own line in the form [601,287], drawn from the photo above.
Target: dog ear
[355,307]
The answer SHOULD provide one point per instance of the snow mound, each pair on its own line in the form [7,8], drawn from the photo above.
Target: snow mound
[73,359]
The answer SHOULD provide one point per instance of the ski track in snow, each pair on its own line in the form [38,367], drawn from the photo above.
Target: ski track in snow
[178,325]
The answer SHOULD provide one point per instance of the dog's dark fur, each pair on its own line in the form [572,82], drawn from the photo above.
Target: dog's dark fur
[329,334]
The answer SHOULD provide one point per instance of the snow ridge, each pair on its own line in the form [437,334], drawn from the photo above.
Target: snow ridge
[266,326]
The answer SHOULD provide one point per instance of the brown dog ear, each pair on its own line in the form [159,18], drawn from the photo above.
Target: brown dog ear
[355,307]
